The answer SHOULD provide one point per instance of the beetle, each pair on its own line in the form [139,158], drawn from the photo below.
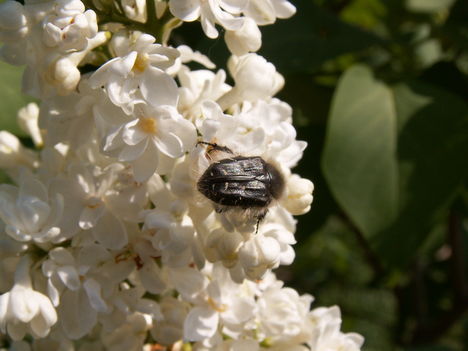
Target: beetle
[236,182]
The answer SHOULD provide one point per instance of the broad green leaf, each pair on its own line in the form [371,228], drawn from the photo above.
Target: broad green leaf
[432,149]
[11,97]
[359,159]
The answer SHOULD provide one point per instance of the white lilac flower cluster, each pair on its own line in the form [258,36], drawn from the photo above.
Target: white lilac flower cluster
[106,243]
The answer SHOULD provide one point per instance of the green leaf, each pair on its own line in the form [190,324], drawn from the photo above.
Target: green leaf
[11,96]
[359,160]
[428,6]
[432,145]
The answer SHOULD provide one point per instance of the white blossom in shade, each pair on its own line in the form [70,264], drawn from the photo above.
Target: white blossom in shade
[135,10]
[211,12]
[326,334]
[13,21]
[168,227]
[56,340]
[95,292]
[30,212]
[10,251]
[25,310]
[137,72]
[69,119]
[197,87]
[28,121]
[150,141]
[265,12]
[298,197]
[14,155]
[95,203]
[246,39]
[255,79]
[170,328]
[129,336]
[61,272]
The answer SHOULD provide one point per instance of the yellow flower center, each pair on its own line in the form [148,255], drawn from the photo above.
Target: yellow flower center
[215,306]
[148,125]
[140,63]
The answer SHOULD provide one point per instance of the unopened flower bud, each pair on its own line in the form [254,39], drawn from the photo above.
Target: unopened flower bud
[258,255]
[13,22]
[298,195]
[27,120]
[247,39]
[13,154]
[66,75]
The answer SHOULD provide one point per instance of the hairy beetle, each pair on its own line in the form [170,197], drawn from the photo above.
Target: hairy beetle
[241,182]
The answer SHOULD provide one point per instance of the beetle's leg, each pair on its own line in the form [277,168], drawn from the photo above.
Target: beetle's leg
[260,218]
[215,147]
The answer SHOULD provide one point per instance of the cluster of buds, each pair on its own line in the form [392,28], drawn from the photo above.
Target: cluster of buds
[106,243]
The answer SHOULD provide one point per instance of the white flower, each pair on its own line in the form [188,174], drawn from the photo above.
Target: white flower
[13,21]
[247,39]
[197,87]
[138,73]
[30,213]
[87,282]
[266,11]
[170,329]
[260,129]
[28,122]
[298,197]
[14,155]
[69,119]
[135,10]
[171,234]
[57,38]
[255,79]
[223,305]
[129,336]
[149,141]
[188,55]
[69,26]
[211,12]
[24,310]
[93,204]
[326,332]
[283,313]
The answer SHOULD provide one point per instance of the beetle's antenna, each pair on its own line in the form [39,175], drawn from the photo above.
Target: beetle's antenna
[215,147]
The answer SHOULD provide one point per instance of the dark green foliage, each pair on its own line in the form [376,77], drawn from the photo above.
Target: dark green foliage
[386,118]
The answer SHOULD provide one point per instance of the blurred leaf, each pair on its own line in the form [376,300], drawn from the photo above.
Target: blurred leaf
[359,159]
[432,146]
[310,38]
[429,348]
[428,52]
[456,27]
[428,6]
[364,13]
[12,98]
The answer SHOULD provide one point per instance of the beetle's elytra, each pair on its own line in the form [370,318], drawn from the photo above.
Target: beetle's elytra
[241,182]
